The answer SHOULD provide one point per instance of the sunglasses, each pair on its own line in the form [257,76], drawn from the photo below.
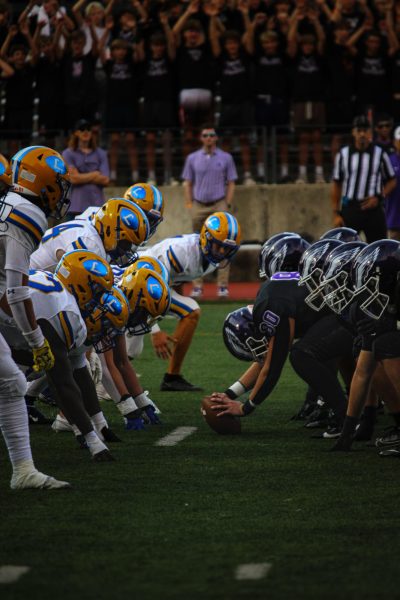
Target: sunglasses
[383,125]
[86,128]
[208,135]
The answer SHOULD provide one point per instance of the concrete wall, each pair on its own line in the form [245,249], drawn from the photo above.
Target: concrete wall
[261,210]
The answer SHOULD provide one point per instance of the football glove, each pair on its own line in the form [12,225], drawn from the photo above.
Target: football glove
[43,358]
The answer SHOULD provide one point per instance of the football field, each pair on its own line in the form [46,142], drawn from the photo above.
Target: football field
[166,522]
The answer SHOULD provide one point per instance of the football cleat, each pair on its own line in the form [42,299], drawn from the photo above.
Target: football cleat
[390,438]
[134,424]
[36,480]
[319,416]
[179,384]
[107,435]
[36,417]
[151,416]
[81,442]
[60,424]
[390,452]
[103,456]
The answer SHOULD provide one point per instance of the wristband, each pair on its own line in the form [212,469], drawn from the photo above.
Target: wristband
[235,390]
[248,407]
[34,338]
[155,328]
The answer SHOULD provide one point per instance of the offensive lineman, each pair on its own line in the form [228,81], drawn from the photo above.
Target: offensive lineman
[39,186]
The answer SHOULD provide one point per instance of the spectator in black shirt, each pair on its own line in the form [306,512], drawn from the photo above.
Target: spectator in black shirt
[121,103]
[195,75]
[19,90]
[235,90]
[373,89]
[159,98]
[78,72]
[383,133]
[353,12]
[308,92]
[341,70]
[271,88]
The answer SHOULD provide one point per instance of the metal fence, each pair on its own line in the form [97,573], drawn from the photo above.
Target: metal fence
[264,148]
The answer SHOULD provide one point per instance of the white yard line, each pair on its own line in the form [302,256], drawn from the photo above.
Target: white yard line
[252,571]
[176,436]
[11,573]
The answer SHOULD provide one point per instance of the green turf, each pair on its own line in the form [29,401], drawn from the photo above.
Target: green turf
[166,523]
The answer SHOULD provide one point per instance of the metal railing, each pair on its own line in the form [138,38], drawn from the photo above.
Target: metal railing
[264,148]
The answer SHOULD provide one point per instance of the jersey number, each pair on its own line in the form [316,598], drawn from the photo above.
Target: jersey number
[58,229]
[52,286]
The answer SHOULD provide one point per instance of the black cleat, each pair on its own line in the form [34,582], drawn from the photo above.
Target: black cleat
[179,384]
[391,438]
[343,444]
[109,436]
[103,456]
[81,442]
[36,417]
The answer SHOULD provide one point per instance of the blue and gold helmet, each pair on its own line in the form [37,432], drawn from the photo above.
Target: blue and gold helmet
[42,173]
[108,319]
[150,200]
[148,262]
[122,226]
[149,298]
[220,237]
[86,276]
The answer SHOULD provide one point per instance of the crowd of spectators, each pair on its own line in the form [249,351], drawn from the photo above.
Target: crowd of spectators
[156,67]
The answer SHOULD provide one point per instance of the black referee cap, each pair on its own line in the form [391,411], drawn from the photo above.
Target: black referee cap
[361,122]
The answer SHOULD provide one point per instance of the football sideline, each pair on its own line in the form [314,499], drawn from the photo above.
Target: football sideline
[178,524]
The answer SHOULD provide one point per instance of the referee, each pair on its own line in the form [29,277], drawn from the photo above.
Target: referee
[363,175]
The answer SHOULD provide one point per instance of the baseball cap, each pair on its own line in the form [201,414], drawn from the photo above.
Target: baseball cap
[361,122]
[396,133]
[82,124]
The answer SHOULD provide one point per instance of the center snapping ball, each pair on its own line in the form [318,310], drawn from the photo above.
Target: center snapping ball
[225,425]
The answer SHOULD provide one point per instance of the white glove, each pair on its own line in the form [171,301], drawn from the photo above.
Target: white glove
[95,367]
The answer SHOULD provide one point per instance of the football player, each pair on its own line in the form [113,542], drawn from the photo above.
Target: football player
[113,232]
[186,258]
[283,311]
[39,188]
[58,308]
[375,287]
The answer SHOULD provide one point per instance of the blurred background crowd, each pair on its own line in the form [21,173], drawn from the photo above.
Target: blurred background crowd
[280,79]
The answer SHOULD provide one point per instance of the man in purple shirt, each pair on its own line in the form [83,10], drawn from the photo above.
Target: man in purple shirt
[392,202]
[209,182]
[89,169]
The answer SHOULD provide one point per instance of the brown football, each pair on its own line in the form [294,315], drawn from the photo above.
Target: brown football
[223,425]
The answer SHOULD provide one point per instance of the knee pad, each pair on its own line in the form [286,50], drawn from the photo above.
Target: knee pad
[15,387]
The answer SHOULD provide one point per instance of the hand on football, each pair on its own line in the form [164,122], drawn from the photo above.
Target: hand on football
[225,406]
[163,344]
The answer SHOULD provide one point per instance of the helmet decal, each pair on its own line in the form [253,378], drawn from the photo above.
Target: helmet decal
[138,192]
[56,164]
[129,218]
[95,267]
[154,288]
[214,223]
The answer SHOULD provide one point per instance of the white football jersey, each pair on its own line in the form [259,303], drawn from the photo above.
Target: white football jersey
[22,225]
[72,235]
[182,256]
[53,303]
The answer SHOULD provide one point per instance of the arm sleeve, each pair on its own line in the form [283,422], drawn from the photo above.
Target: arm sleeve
[387,167]
[337,169]
[279,355]
[14,282]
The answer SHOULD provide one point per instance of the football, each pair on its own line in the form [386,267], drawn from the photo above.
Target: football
[223,425]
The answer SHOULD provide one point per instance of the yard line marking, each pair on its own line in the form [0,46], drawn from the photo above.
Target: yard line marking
[252,571]
[11,573]
[176,436]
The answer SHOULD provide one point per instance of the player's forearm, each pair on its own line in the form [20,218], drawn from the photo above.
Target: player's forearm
[20,304]
[245,382]
[188,193]
[230,190]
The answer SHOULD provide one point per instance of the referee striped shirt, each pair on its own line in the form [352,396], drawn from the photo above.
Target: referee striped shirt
[362,174]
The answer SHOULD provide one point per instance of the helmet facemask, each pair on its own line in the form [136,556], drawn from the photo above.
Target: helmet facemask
[315,299]
[371,301]
[336,293]
[218,258]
